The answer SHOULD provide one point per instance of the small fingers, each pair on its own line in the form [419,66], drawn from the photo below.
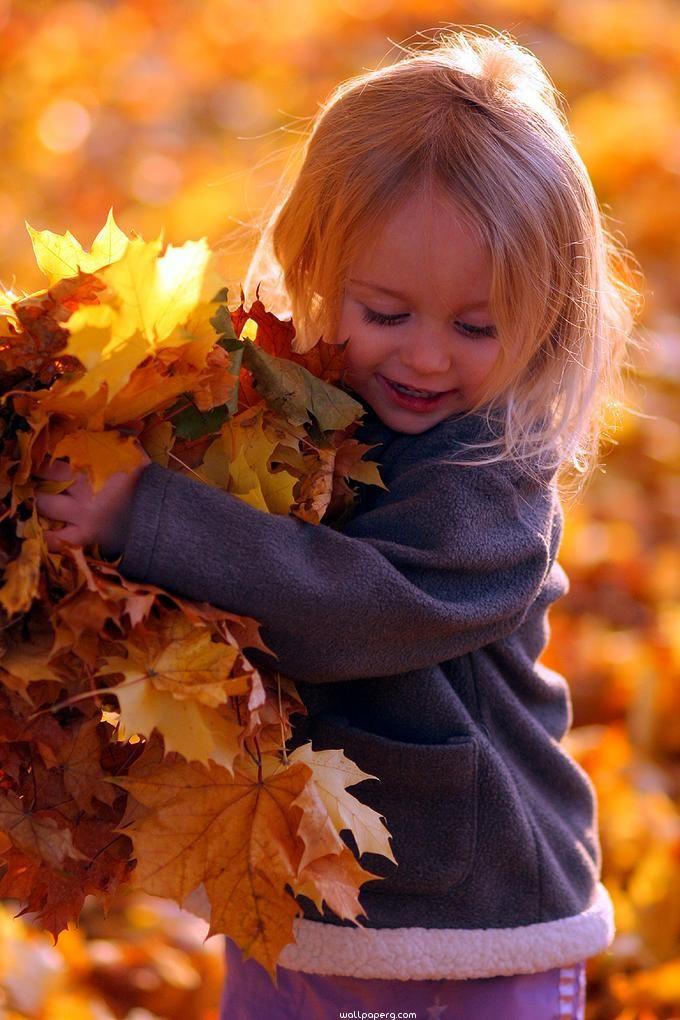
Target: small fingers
[58,506]
[56,539]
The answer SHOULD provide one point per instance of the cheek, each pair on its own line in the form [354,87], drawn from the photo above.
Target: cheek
[481,361]
[364,349]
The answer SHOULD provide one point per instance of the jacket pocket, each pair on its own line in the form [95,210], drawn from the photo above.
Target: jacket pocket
[427,794]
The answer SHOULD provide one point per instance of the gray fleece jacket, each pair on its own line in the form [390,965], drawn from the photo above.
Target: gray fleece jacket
[413,633]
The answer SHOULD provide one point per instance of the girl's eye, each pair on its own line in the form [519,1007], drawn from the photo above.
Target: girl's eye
[476,330]
[393,320]
[384,320]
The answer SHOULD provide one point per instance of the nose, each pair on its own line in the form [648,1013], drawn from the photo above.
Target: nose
[427,354]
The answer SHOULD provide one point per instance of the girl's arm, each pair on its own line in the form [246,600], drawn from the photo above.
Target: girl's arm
[449,559]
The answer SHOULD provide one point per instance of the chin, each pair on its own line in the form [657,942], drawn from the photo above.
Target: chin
[401,423]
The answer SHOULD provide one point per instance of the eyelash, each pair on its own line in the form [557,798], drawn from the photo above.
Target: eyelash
[393,320]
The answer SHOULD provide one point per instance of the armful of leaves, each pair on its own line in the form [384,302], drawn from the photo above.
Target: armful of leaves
[128,715]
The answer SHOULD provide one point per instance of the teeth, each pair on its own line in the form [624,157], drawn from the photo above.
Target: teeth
[407,389]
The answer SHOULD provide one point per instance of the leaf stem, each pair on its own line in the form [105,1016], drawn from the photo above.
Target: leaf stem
[84,695]
[283,734]
[180,461]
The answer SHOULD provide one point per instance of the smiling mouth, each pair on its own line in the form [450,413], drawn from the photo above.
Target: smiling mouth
[415,390]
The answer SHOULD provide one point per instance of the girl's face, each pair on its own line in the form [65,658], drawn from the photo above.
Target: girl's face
[416,312]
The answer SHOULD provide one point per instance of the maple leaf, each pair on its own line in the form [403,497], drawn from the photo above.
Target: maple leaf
[217,384]
[80,619]
[99,454]
[333,773]
[279,337]
[22,576]
[273,335]
[23,664]
[134,346]
[151,386]
[160,301]
[157,438]
[58,399]
[334,879]
[349,463]
[42,337]
[297,394]
[316,486]
[109,359]
[175,679]
[35,832]
[237,836]
[184,660]
[62,256]
[155,295]
[80,759]
[239,462]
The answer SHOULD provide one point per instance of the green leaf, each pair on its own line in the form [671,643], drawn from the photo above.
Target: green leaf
[221,321]
[297,393]
[192,423]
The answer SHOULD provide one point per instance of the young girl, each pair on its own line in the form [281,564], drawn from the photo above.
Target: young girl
[443,221]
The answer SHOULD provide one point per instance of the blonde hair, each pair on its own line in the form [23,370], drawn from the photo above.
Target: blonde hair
[476,117]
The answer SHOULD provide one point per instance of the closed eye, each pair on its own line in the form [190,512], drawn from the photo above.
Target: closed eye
[471,330]
[384,320]
[393,320]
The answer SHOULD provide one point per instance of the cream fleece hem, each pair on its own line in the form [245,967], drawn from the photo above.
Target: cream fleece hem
[431,953]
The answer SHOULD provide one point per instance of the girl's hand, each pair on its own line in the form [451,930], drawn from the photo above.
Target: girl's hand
[100,517]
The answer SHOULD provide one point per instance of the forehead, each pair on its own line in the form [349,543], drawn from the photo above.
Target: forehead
[428,251]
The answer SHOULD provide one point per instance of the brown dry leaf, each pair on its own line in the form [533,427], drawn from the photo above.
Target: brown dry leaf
[37,833]
[348,463]
[83,775]
[316,486]
[23,664]
[336,879]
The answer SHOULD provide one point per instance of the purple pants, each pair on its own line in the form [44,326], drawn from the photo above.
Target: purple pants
[249,994]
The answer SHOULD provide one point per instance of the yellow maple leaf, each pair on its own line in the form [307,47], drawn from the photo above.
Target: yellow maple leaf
[150,387]
[214,469]
[192,729]
[100,454]
[60,256]
[367,471]
[22,576]
[108,358]
[333,773]
[156,302]
[155,295]
[244,482]
[60,400]
[175,682]
[250,450]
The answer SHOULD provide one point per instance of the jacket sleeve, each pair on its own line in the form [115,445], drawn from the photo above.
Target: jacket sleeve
[449,559]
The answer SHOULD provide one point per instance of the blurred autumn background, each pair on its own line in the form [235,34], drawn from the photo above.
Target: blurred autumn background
[181,115]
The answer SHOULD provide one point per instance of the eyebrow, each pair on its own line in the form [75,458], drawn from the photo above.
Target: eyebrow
[404,297]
